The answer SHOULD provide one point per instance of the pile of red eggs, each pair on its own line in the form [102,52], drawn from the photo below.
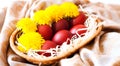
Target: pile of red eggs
[60,31]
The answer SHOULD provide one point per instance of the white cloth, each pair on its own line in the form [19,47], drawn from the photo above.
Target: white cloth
[102,51]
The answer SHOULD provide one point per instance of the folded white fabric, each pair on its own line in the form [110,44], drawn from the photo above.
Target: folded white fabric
[102,51]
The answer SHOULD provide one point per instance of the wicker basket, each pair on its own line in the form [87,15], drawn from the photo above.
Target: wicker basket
[49,60]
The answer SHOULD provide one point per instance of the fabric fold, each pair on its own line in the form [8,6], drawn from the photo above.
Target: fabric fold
[102,51]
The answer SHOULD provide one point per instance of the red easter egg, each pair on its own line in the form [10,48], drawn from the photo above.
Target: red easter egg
[48,44]
[45,31]
[60,25]
[80,19]
[61,36]
[44,53]
[76,27]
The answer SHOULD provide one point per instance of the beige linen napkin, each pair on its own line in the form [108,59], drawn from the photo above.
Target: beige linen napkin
[102,51]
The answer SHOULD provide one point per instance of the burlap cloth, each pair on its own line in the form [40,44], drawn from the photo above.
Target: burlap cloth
[104,50]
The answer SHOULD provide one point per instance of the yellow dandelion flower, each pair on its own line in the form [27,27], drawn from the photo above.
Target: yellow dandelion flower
[42,18]
[70,9]
[55,12]
[32,40]
[27,25]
